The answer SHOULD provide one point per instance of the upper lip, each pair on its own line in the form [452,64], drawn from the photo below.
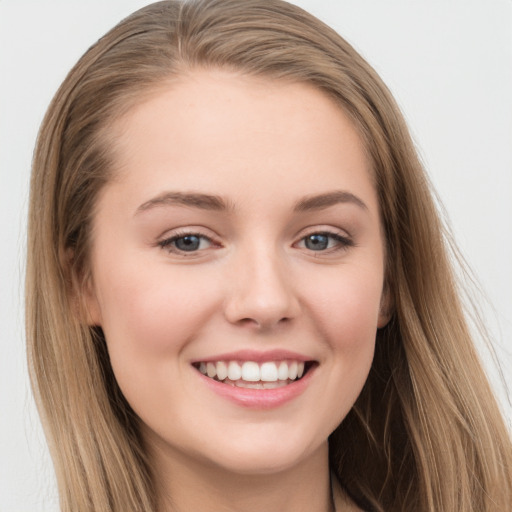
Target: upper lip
[255,355]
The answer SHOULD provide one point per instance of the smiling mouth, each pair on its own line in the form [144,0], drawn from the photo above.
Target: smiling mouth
[253,375]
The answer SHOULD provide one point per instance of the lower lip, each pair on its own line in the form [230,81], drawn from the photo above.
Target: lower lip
[259,398]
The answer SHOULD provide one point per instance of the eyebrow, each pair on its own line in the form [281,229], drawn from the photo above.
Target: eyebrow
[322,201]
[194,200]
[218,204]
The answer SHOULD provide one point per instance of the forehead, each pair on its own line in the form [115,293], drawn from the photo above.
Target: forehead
[225,132]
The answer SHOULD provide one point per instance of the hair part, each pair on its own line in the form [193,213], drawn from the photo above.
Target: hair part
[425,433]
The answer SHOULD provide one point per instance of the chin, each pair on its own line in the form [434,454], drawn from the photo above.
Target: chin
[256,464]
[272,455]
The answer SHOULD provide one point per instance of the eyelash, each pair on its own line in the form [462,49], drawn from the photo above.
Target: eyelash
[167,243]
[342,242]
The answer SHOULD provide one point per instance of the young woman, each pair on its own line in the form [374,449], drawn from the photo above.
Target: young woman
[238,290]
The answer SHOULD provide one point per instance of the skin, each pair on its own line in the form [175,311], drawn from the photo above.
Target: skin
[253,283]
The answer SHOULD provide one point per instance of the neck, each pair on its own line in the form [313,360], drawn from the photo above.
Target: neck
[184,484]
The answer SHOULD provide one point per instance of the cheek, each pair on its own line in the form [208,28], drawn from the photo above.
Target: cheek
[149,318]
[149,315]
[347,308]
[347,313]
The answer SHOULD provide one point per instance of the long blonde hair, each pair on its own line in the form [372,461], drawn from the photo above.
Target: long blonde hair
[425,433]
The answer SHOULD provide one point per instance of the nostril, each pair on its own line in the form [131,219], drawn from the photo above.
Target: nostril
[261,301]
[262,323]
[247,321]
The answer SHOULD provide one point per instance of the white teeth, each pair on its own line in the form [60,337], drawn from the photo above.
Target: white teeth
[292,370]
[259,385]
[273,385]
[234,371]
[222,370]
[282,373]
[269,374]
[248,384]
[250,371]
[211,370]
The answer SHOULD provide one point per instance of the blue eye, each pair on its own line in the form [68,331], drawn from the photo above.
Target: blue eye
[316,242]
[323,241]
[186,243]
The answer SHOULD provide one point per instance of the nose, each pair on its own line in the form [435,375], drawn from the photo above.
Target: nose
[261,291]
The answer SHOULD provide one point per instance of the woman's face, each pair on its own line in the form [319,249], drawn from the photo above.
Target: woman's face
[239,238]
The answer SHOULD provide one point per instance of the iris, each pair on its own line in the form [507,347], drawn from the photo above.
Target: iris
[187,243]
[316,242]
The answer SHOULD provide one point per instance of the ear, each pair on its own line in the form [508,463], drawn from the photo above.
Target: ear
[386,307]
[83,296]
[90,307]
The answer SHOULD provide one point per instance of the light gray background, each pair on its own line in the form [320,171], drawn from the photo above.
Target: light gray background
[449,64]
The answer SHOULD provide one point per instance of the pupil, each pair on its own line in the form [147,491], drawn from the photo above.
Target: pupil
[188,243]
[317,242]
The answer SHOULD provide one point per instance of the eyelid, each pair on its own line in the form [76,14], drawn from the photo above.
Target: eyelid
[327,227]
[345,240]
[165,241]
